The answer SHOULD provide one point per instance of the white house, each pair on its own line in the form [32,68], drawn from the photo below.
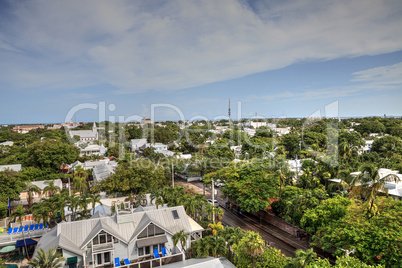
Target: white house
[136,144]
[104,170]
[93,149]
[16,167]
[367,145]
[157,146]
[7,143]
[131,236]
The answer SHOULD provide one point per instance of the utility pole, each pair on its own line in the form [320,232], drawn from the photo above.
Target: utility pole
[213,201]
[297,169]
[172,174]
[69,186]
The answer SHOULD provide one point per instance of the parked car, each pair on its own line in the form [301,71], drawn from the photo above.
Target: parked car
[216,202]
[219,183]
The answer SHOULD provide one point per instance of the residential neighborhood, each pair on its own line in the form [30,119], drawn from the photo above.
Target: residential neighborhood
[200,134]
[156,201]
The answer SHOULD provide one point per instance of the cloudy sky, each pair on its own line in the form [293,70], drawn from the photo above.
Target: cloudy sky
[187,58]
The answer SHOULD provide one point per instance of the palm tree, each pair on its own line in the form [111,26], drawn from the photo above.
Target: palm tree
[17,215]
[93,199]
[32,189]
[51,188]
[180,237]
[79,172]
[191,205]
[209,210]
[80,184]
[217,245]
[303,258]
[252,244]
[141,199]
[347,181]
[40,211]
[369,183]
[47,259]
[159,202]
[216,227]
[59,203]
[83,204]
[73,203]
[155,194]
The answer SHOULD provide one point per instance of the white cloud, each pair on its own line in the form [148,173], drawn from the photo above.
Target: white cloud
[384,75]
[376,79]
[153,45]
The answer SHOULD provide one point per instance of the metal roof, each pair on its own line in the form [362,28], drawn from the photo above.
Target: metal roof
[73,236]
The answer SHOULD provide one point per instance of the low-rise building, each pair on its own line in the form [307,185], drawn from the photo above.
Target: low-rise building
[104,170]
[26,128]
[157,146]
[36,196]
[136,144]
[16,167]
[7,143]
[138,236]
[93,149]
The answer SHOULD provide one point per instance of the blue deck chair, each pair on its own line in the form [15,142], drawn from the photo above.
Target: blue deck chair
[31,227]
[10,230]
[36,227]
[41,226]
[15,230]
[164,252]
[26,228]
[126,262]
[156,253]
[20,229]
[116,262]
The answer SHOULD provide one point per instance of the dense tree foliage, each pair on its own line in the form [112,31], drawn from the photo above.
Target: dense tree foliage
[376,239]
[135,177]
[50,154]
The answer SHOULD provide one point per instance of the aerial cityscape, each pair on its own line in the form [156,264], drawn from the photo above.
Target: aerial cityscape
[233,133]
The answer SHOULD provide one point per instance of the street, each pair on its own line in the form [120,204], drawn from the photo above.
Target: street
[272,235]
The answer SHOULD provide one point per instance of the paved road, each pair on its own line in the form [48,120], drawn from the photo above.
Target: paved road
[272,235]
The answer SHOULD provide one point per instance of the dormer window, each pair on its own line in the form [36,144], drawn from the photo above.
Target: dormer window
[151,230]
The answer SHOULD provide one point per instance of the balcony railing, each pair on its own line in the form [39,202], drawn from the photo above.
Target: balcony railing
[102,247]
[8,238]
[156,262]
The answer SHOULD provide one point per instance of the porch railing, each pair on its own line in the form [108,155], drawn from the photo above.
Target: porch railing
[156,262]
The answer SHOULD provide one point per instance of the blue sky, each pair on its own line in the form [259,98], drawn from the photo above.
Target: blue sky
[274,58]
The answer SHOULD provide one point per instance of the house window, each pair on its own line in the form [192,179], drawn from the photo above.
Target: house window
[140,251]
[159,231]
[102,238]
[143,234]
[109,238]
[147,251]
[107,257]
[175,214]
[99,259]
[162,245]
[151,230]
